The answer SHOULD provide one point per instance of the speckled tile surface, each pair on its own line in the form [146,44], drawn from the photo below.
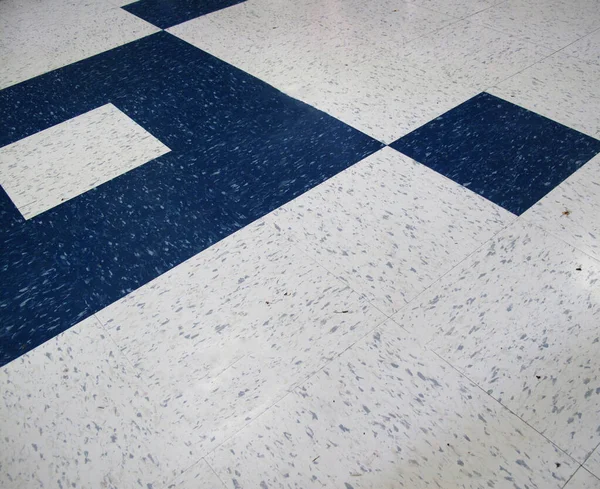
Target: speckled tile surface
[221,337]
[74,414]
[570,83]
[587,48]
[471,54]
[457,8]
[35,39]
[389,226]
[583,480]
[519,318]
[200,476]
[551,23]
[66,160]
[571,210]
[389,414]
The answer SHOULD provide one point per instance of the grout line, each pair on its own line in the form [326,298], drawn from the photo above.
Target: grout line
[435,282]
[572,475]
[294,386]
[215,472]
[543,59]
[559,238]
[504,406]
[577,57]
[589,455]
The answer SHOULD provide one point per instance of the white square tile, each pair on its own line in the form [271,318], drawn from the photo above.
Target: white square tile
[571,210]
[72,414]
[521,321]
[587,48]
[66,160]
[36,38]
[551,23]
[583,480]
[561,88]
[223,336]
[388,414]
[390,226]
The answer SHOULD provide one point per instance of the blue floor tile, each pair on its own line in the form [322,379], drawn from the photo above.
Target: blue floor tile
[505,153]
[240,148]
[167,13]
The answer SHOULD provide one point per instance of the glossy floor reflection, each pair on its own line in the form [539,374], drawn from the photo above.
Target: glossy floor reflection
[217,274]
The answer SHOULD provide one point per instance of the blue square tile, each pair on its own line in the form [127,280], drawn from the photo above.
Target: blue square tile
[167,13]
[505,153]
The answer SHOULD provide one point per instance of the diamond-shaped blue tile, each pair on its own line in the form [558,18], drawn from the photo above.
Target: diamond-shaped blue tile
[505,153]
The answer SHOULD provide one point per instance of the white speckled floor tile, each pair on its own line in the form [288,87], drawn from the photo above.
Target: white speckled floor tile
[587,48]
[456,8]
[221,337]
[471,54]
[200,476]
[520,320]
[342,59]
[66,160]
[562,88]
[389,226]
[389,414]
[551,23]
[36,38]
[72,415]
[583,480]
[381,99]
[579,197]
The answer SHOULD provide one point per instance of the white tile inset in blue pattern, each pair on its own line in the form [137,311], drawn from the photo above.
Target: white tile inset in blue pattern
[66,160]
